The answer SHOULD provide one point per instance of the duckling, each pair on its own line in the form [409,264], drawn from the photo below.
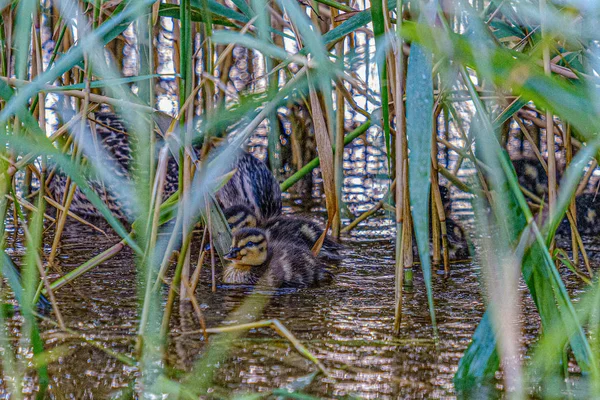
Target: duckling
[253,184]
[301,231]
[258,260]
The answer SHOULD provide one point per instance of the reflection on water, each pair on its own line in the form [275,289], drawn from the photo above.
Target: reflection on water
[347,325]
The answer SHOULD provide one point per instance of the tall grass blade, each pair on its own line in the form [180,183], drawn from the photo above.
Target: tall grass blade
[419,125]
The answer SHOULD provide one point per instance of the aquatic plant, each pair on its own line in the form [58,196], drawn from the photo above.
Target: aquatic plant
[481,67]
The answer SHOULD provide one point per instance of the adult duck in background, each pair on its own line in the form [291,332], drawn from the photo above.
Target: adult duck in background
[533,178]
[258,259]
[298,230]
[252,184]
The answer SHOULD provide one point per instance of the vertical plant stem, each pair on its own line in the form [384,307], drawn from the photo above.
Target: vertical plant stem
[572,205]
[549,120]
[400,145]
[338,167]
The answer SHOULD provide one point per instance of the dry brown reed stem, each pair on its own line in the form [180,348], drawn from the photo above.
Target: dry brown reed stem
[340,113]
[196,275]
[348,96]
[81,94]
[572,206]
[62,218]
[27,205]
[533,143]
[438,214]
[174,284]
[401,164]
[538,202]
[378,206]
[192,299]
[325,149]
[575,236]
[185,204]
[586,177]
[542,124]
[71,214]
[70,186]
[438,217]
[279,328]
[212,247]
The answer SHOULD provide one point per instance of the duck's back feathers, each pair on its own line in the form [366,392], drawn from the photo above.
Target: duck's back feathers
[305,232]
[252,185]
[293,266]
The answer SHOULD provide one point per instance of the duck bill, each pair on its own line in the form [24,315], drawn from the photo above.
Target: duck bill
[234,254]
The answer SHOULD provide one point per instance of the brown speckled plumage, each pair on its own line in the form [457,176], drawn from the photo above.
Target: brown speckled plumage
[252,184]
[257,260]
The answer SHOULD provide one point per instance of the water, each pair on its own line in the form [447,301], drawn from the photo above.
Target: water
[348,325]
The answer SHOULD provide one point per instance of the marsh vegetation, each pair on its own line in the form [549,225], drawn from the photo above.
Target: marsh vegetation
[369,113]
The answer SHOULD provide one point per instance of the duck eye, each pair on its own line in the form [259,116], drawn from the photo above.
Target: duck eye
[250,244]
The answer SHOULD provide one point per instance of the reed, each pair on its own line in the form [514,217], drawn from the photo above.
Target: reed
[472,68]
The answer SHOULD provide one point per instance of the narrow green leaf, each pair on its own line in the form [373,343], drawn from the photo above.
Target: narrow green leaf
[419,126]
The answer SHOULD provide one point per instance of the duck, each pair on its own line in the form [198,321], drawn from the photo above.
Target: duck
[302,231]
[532,176]
[588,216]
[252,184]
[258,260]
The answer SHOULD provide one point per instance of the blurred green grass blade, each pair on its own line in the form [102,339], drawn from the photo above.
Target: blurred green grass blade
[221,234]
[109,82]
[197,15]
[72,170]
[244,7]
[22,38]
[509,111]
[540,274]
[12,275]
[543,363]
[349,26]
[380,44]
[31,277]
[250,42]
[311,37]
[219,10]
[545,284]
[419,126]
[480,361]
[42,145]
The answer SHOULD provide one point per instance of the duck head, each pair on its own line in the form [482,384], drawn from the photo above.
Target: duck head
[239,217]
[248,247]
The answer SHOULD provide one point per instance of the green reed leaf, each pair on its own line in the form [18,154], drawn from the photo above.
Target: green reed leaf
[419,128]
